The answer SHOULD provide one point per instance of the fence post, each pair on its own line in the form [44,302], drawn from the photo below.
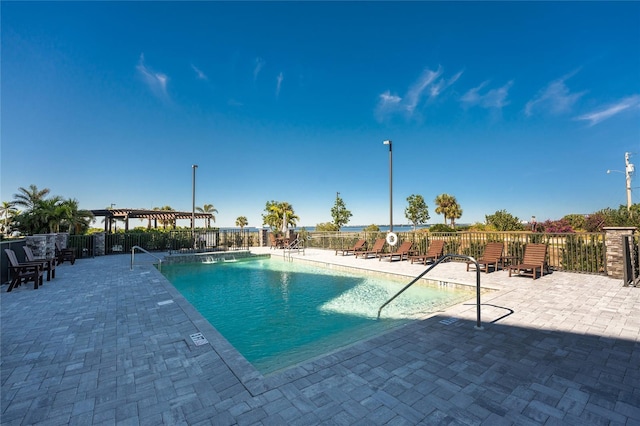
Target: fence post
[613,241]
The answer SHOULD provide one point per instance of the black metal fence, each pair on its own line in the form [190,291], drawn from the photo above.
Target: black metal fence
[579,252]
[179,240]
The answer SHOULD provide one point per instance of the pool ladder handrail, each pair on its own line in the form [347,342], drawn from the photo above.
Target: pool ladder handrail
[478,325]
[133,250]
[297,244]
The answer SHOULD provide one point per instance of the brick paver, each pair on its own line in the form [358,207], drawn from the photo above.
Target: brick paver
[101,344]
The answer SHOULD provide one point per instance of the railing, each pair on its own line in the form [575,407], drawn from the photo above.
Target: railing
[133,253]
[579,252]
[478,325]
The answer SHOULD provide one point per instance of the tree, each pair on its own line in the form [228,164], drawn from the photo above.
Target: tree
[501,220]
[448,207]
[443,201]
[76,221]
[7,213]
[275,212]
[166,222]
[326,227]
[417,212]
[339,212]
[28,198]
[577,221]
[372,228]
[454,212]
[242,221]
[208,208]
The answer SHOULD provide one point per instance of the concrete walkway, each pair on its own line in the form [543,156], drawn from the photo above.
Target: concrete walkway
[101,344]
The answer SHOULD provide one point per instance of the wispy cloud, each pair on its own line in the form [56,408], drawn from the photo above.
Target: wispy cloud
[555,98]
[156,81]
[199,73]
[279,83]
[494,98]
[428,86]
[609,111]
[258,67]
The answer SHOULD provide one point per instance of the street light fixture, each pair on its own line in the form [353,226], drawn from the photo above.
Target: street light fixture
[388,142]
[193,205]
[628,171]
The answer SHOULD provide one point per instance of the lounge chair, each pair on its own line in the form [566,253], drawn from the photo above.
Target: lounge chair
[276,242]
[490,257]
[435,250]
[23,271]
[49,263]
[401,253]
[360,245]
[535,257]
[63,254]
[377,248]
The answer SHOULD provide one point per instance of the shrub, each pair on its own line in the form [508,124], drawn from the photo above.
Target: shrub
[440,227]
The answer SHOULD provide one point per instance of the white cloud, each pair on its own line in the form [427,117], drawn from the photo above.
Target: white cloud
[442,84]
[256,70]
[494,98]
[279,83]
[199,74]
[415,91]
[156,81]
[609,111]
[428,85]
[555,98]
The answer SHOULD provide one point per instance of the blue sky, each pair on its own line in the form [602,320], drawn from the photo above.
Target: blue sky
[507,105]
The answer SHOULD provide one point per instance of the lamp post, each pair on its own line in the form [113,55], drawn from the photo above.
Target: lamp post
[193,204]
[388,142]
[628,171]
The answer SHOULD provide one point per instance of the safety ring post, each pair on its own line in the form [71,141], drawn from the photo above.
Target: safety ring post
[392,239]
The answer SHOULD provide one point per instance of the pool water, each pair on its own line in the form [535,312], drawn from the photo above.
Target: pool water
[277,314]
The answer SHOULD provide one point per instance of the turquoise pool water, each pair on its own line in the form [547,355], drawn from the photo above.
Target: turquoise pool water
[278,313]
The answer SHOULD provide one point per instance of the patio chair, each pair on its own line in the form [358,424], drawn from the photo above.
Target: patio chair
[401,253]
[360,245]
[63,254]
[535,257]
[275,242]
[434,251]
[490,257]
[48,263]
[23,271]
[377,248]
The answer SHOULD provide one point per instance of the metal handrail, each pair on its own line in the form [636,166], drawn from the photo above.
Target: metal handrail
[478,325]
[133,250]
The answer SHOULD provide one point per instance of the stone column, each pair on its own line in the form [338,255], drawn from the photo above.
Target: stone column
[99,241]
[613,245]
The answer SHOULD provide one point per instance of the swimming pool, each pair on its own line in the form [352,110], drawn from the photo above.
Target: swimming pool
[277,314]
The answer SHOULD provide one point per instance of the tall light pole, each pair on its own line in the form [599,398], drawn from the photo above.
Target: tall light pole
[193,205]
[388,142]
[628,171]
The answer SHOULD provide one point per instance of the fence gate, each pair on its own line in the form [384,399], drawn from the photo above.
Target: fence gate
[631,261]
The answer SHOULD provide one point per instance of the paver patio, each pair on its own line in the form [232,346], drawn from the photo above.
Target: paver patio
[101,344]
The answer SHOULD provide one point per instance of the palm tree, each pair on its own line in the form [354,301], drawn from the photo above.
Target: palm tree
[165,222]
[454,212]
[28,198]
[443,201]
[76,220]
[7,212]
[208,208]
[275,213]
[242,221]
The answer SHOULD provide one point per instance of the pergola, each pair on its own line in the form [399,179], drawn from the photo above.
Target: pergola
[164,216]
